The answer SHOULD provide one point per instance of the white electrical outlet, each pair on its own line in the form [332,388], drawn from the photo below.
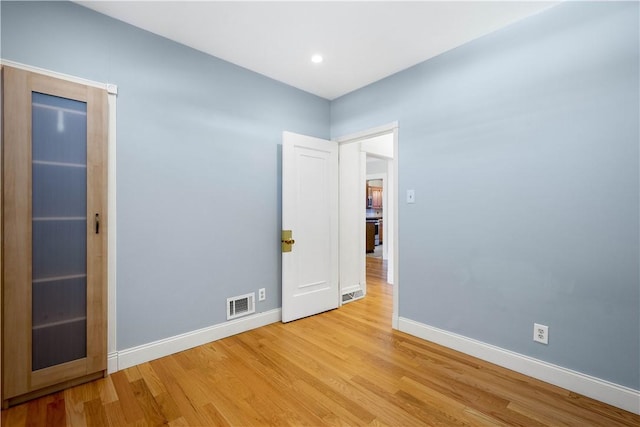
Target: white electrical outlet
[262,294]
[541,333]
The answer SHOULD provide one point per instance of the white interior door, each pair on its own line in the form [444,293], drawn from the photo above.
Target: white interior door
[310,211]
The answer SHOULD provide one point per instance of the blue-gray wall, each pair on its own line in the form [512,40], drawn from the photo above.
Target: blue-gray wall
[522,148]
[198,169]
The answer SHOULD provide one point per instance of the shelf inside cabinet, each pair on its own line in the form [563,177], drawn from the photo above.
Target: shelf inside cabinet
[59,323]
[61,218]
[58,278]
[59,164]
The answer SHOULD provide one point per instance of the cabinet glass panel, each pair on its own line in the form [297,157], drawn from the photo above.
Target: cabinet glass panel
[59,230]
[59,127]
[59,248]
[60,190]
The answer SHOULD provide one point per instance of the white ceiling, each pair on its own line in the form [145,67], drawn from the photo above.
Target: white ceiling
[361,41]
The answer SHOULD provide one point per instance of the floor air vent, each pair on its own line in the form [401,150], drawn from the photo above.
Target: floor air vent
[352,296]
[241,305]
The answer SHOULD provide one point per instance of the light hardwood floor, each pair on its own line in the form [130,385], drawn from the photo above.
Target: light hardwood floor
[344,367]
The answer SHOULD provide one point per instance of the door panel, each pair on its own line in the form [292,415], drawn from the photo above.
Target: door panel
[310,210]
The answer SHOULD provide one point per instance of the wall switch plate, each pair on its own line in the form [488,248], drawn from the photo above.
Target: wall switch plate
[541,333]
[262,294]
[411,196]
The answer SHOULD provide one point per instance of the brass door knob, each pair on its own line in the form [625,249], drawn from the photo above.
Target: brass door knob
[287,240]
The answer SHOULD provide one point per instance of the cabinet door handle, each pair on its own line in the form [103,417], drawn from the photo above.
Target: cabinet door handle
[97,223]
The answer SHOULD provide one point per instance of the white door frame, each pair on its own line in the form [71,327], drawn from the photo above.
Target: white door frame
[392,177]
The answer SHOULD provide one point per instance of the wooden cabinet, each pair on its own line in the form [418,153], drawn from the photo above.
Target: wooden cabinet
[54,214]
[374,197]
[371,237]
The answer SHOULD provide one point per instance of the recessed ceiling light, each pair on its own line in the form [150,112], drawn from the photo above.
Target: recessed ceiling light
[316,59]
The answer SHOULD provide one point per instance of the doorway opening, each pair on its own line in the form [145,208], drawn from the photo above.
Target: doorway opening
[368,207]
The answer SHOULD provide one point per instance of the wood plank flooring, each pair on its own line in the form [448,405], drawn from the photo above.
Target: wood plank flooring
[344,367]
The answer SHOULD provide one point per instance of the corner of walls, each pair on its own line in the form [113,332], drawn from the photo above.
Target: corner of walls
[214,122]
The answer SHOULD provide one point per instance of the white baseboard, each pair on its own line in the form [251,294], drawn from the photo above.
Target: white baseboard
[112,362]
[157,349]
[595,388]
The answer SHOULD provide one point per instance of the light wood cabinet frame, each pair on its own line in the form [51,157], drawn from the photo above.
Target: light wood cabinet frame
[18,380]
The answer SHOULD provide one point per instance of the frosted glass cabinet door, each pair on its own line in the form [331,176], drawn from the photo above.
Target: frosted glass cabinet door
[55,255]
[59,230]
